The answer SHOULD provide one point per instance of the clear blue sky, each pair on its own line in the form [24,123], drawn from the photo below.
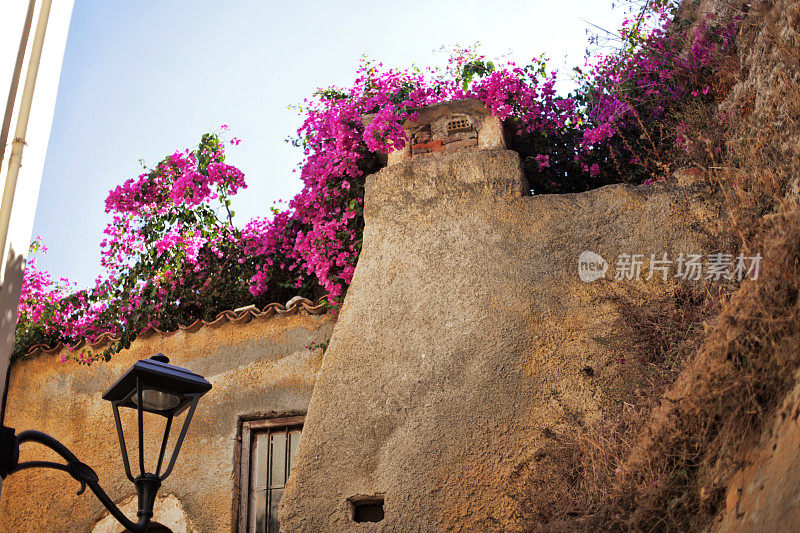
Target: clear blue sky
[141,79]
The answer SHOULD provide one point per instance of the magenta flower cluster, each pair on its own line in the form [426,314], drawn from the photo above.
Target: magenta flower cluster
[664,64]
[320,236]
[172,253]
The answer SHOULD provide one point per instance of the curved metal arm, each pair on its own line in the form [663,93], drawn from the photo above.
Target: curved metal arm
[86,477]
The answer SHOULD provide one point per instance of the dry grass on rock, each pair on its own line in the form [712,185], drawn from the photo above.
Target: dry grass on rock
[709,368]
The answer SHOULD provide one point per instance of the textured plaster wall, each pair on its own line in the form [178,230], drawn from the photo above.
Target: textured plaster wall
[168,509]
[461,346]
[257,369]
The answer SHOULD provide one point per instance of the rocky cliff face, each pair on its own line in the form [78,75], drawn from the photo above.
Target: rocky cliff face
[763,496]
[467,341]
[763,109]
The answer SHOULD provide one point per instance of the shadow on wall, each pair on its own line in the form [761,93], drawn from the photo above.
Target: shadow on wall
[168,510]
[9,300]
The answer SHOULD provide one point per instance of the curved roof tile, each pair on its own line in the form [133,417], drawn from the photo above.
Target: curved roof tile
[240,315]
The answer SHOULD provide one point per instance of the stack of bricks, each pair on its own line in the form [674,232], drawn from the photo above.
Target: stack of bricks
[425,148]
[456,126]
[451,144]
[460,135]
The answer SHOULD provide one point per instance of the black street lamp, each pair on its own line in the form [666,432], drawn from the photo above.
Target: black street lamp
[150,385]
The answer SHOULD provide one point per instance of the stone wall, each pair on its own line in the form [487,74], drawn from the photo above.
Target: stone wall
[463,345]
[261,368]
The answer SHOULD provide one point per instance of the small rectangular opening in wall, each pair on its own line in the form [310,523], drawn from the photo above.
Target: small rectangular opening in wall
[366,508]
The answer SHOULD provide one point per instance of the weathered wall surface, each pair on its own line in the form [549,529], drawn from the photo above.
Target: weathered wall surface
[764,496]
[257,369]
[463,342]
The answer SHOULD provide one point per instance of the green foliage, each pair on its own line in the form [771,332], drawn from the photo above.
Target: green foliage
[475,67]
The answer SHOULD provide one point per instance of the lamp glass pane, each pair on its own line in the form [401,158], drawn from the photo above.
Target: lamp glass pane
[157,400]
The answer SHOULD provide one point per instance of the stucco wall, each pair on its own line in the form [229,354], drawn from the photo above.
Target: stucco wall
[259,368]
[460,350]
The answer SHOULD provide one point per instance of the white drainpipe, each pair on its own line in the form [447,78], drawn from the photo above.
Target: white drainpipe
[15,161]
[34,110]
[12,92]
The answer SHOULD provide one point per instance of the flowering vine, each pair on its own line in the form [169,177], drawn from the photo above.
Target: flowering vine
[172,253]
[635,97]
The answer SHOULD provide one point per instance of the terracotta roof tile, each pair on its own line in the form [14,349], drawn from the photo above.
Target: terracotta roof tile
[240,315]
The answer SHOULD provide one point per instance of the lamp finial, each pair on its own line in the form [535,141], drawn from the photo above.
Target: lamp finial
[160,357]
